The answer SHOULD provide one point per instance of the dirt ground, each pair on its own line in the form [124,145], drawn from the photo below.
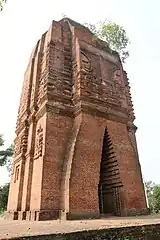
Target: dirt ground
[28,228]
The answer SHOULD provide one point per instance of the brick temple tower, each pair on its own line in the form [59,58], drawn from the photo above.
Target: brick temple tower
[75,151]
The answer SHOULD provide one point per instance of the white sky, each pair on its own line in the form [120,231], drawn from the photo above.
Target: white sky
[23,22]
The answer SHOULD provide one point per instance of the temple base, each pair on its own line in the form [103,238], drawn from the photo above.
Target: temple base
[142,212]
[41,215]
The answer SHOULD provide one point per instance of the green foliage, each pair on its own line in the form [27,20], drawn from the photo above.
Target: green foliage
[114,35]
[153,194]
[5,160]
[4,190]
[93,28]
[6,155]
[156,198]
[149,190]
[2,4]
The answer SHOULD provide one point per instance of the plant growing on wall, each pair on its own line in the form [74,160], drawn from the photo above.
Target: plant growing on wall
[113,35]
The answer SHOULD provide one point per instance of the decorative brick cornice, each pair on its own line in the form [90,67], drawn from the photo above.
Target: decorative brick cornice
[98,111]
[81,106]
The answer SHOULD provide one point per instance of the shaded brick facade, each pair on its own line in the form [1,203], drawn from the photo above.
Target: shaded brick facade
[75,151]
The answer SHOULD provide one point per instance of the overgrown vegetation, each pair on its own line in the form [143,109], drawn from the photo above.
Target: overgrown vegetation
[6,156]
[153,194]
[4,190]
[113,35]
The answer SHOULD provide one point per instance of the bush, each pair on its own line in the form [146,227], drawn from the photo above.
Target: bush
[4,190]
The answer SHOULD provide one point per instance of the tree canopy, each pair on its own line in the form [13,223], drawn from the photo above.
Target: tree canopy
[153,194]
[4,190]
[6,154]
[5,160]
[114,35]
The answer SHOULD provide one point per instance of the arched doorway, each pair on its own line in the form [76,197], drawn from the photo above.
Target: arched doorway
[109,182]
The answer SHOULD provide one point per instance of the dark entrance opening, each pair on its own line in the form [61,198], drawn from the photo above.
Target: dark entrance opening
[109,183]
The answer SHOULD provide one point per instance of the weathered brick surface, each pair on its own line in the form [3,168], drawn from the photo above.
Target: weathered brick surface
[75,103]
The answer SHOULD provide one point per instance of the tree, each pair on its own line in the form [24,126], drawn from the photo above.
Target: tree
[113,35]
[4,190]
[153,194]
[5,160]
[2,4]
[6,155]
[156,198]
[149,191]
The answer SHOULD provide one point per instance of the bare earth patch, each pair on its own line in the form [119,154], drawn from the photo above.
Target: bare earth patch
[10,229]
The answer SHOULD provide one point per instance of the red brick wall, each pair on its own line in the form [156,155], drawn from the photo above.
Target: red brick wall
[129,166]
[86,167]
[36,189]
[57,133]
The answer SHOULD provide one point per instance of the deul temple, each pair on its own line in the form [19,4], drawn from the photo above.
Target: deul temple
[75,148]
